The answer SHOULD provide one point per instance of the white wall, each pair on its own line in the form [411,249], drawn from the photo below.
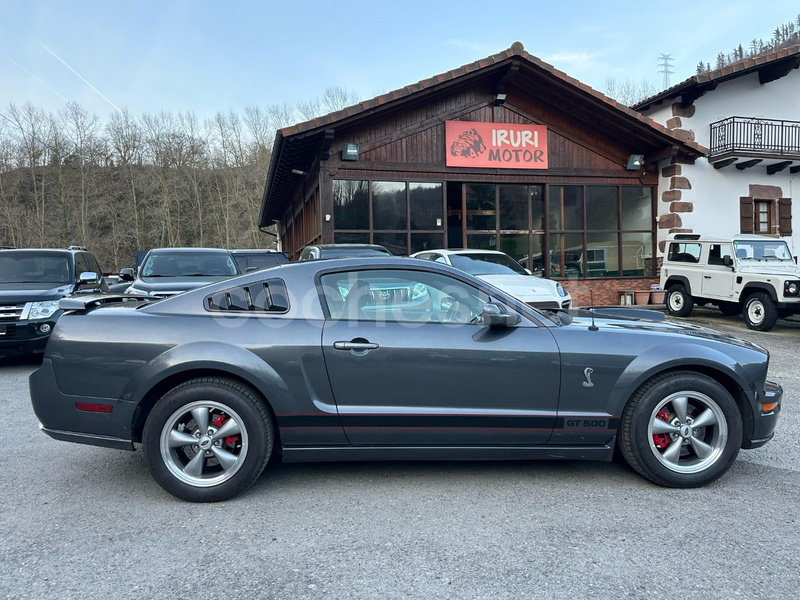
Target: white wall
[715,193]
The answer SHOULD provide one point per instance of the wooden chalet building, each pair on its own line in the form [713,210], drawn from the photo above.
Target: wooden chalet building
[506,153]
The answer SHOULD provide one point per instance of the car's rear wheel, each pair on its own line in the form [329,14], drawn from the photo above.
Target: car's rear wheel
[679,301]
[681,429]
[208,439]
[760,312]
[731,309]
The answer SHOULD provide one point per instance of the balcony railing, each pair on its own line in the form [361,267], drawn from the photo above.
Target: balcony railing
[757,137]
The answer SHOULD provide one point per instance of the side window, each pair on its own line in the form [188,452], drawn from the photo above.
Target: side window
[401,296]
[94,266]
[718,252]
[263,296]
[684,252]
[80,264]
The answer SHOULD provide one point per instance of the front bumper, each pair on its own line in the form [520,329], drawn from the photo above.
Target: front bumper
[25,337]
[766,417]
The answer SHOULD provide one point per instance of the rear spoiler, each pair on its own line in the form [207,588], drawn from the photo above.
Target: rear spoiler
[91,301]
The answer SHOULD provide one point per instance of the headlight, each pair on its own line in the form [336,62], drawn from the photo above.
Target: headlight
[418,291]
[43,310]
[791,288]
[561,291]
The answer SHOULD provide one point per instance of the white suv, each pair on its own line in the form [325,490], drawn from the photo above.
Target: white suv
[752,275]
[504,272]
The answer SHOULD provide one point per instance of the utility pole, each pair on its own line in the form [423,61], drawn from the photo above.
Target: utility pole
[665,67]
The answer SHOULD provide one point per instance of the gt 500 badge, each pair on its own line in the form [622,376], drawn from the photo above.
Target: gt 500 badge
[584,423]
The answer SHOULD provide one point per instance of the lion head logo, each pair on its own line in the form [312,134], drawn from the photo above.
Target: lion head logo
[469,144]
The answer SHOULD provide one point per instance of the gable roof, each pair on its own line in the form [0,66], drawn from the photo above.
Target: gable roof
[769,67]
[296,147]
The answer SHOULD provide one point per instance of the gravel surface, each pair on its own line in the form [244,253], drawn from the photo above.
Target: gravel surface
[84,522]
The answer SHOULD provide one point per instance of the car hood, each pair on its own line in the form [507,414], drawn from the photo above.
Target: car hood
[770,268]
[524,287]
[665,327]
[173,285]
[30,292]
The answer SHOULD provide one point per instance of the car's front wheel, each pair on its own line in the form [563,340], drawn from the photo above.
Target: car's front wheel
[208,439]
[681,429]
[679,301]
[760,312]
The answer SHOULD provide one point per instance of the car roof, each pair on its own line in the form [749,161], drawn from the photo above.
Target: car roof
[461,251]
[189,250]
[26,250]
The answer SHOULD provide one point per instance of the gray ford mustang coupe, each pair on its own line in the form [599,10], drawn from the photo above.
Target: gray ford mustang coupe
[392,358]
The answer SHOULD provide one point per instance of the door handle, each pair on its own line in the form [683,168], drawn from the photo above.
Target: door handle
[706,276]
[357,346]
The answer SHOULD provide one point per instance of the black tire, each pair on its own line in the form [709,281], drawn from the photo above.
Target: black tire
[233,432]
[731,309]
[760,312]
[657,439]
[679,301]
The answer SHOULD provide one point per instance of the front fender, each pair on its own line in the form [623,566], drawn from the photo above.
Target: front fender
[673,356]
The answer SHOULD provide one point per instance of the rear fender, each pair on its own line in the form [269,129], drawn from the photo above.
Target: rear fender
[212,357]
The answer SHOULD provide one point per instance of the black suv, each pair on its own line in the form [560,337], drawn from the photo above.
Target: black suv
[32,281]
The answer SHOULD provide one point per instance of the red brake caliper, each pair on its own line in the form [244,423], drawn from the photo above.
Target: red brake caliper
[661,440]
[218,423]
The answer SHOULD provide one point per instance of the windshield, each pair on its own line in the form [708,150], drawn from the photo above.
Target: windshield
[479,263]
[34,267]
[769,250]
[194,264]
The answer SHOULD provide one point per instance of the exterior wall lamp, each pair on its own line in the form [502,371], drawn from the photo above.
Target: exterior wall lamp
[499,99]
[635,162]
[349,151]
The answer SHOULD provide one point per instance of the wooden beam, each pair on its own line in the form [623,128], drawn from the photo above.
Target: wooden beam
[688,97]
[325,145]
[778,70]
[724,163]
[747,164]
[778,167]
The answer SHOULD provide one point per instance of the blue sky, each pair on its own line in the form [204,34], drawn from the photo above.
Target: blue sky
[207,56]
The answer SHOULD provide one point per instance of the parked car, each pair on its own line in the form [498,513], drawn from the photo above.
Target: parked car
[169,271]
[755,276]
[313,361]
[342,251]
[32,281]
[504,272]
[256,258]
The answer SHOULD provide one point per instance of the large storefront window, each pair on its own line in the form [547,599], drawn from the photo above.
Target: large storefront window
[405,217]
[565,231]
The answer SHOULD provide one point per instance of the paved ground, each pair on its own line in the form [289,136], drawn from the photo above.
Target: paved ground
[84,522]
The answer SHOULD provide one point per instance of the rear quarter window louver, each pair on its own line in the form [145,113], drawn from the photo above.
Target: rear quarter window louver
[260,297]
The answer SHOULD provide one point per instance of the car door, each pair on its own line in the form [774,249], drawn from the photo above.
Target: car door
[717,278]
[411,363]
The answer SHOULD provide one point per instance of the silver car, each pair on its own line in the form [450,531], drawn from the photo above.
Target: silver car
[505,273]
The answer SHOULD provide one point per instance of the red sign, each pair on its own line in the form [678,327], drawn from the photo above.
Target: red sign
[496,145]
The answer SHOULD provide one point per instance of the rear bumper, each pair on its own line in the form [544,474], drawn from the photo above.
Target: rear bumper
[60,418]
[764,421]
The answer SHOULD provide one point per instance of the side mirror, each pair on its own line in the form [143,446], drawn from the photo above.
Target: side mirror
[126,274]
[495,315]
[727,261]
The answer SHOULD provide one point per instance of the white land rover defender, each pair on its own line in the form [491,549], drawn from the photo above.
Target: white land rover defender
[748,274]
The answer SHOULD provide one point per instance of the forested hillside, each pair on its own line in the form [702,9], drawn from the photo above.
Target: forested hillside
[132,183]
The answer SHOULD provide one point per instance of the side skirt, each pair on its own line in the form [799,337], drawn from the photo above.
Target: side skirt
[375,453]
